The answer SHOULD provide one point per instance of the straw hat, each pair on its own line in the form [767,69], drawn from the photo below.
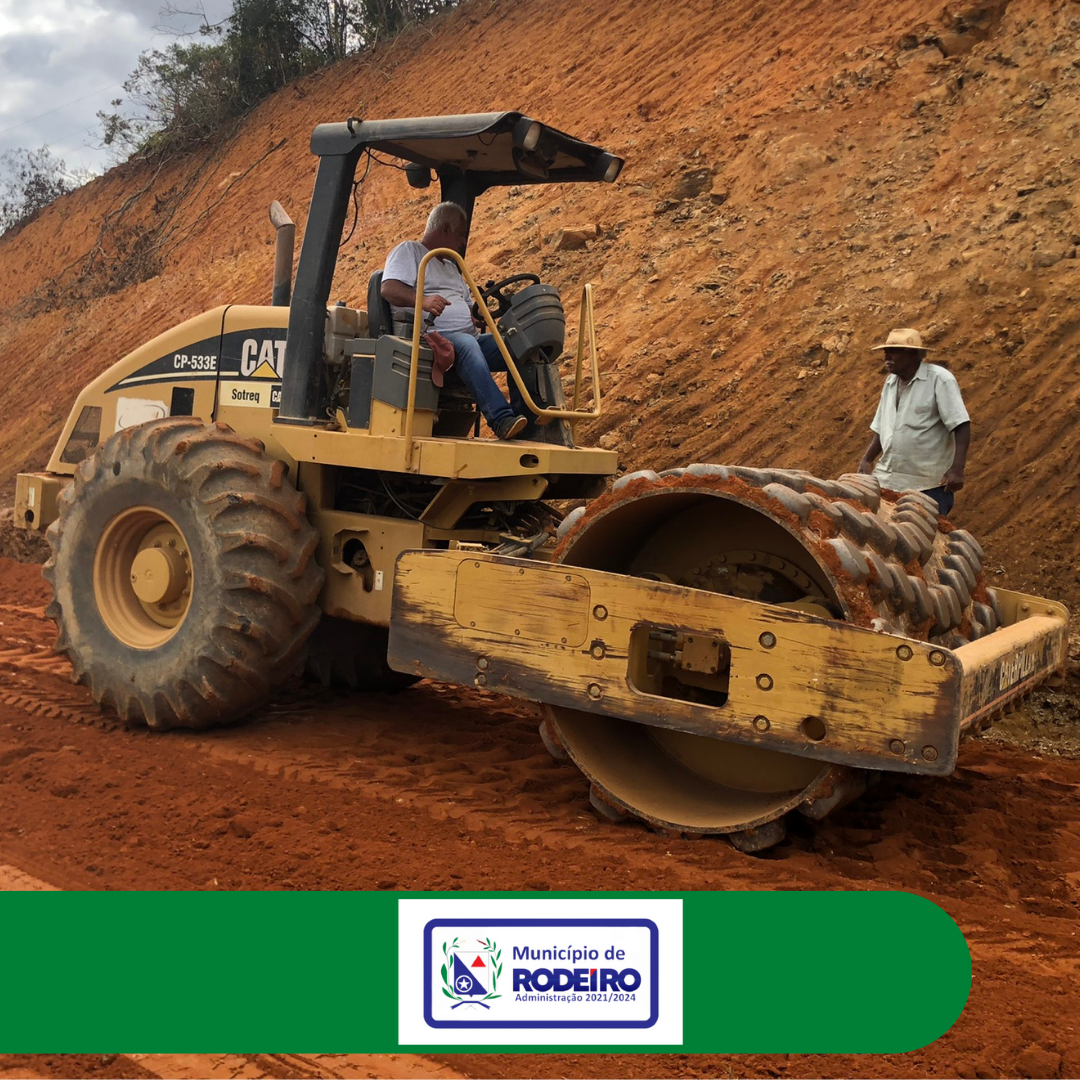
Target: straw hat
[903,339]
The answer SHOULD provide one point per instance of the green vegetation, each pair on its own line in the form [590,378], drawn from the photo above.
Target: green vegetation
[182,95]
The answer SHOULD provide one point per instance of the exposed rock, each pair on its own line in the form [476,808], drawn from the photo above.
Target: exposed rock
[937,94]
[956,44]
[1037,1063]
[1045,258]
[243,827]
[691,184]
[572,239]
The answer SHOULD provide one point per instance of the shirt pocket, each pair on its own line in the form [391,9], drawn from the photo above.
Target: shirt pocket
[920,415]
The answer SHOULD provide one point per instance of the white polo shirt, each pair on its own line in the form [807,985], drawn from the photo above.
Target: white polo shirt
[916,433]
[441,278]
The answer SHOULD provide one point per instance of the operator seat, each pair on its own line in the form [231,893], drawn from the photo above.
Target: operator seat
[380,318]
[458,414]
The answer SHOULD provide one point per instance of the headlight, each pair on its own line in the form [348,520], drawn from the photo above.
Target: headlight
[608,167]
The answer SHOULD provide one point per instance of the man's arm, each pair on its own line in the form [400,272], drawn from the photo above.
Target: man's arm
[872,451]
[953,480]
[401,295]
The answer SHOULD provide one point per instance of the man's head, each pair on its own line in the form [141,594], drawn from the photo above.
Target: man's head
[447,226]
[904,352]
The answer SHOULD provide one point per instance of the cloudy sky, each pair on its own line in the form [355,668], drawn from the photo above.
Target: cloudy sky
[61,61]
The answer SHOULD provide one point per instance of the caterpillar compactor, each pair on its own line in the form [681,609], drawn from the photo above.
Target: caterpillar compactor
[262,488]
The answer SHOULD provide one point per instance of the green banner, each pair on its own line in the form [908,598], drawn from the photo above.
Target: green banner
[277,972]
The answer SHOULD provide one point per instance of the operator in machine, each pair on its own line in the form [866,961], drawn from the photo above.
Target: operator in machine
[448,299]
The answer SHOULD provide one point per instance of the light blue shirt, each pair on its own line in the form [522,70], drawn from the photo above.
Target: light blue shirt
[916,430]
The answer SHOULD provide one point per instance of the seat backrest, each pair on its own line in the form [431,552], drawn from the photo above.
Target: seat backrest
[380,320]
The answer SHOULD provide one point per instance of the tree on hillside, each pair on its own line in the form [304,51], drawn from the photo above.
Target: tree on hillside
[187,91]
[377,20]
[268,46]
[183,94]
[30,180]
[327,28]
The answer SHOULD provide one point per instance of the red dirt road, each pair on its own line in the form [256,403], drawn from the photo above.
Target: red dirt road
[226,1067]
[446,788]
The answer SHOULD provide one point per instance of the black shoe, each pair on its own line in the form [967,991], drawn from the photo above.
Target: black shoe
[510,426]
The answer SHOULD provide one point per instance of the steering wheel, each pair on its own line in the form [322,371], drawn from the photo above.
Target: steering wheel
[493,290]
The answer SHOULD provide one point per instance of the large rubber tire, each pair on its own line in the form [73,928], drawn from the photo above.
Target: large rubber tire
[183,573]
[346,655]
[833,547]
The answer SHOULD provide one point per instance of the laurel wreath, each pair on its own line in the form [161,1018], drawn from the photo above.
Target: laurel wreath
[494,954]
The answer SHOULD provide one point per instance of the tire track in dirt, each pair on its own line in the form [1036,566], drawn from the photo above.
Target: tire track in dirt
[227,1067]
[13,879]
[467,758]
[463,756]
[299,1066]
[474,759]
[35,702]
[456,781]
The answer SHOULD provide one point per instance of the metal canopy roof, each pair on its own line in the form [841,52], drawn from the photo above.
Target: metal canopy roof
[494,148]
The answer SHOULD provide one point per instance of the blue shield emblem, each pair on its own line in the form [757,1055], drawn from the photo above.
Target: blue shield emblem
[466,979]
[471,977]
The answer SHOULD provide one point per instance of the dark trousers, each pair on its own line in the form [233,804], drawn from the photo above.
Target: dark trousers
[943,498]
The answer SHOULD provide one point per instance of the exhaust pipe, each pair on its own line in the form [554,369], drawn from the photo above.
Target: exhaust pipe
[283,255]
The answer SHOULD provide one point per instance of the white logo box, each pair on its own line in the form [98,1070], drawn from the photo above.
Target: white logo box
[604,971]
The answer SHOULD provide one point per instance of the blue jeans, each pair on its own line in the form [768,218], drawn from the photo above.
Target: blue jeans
[475,359]
[943,498]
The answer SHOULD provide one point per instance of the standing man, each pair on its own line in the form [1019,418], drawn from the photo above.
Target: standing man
[921,427]
[448,299]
